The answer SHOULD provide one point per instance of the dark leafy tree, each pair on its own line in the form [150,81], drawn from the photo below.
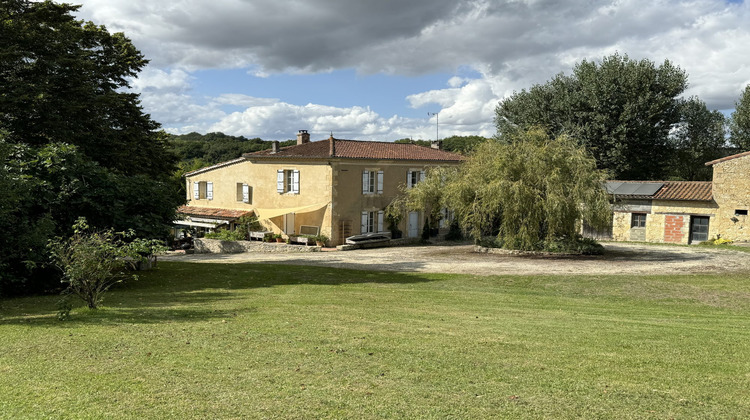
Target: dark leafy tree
[739,123]
[462,144]
[698,138]
[425,143]
[621,110]
[75,141]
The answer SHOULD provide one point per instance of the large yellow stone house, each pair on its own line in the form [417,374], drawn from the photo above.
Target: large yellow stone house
[685,212]
[333,187]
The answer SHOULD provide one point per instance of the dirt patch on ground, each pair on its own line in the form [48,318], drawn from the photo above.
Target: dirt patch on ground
[619,258]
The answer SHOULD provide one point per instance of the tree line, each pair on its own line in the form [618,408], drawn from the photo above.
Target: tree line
[629,114]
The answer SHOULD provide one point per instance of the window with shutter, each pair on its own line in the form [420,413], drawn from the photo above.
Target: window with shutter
[246,193]
[209,190]
[380,221]
[363,228]
[280,181]
[413,177]
[295,182]
[380,182]
[196,191]
[365,181]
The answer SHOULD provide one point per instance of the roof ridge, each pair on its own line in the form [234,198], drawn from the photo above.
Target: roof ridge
[726,158]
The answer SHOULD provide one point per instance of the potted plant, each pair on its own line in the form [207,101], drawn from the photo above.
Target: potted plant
[320,240]
[279,238]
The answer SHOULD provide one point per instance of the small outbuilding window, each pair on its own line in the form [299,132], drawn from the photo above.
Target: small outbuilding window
[738,212]
[638,220]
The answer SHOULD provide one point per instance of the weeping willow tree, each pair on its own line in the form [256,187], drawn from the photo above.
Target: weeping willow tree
[426,196]
[529,190]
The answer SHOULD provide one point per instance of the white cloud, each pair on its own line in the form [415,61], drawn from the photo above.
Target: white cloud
[511,43]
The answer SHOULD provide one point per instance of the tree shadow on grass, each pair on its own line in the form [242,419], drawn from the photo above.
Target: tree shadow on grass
[183,292]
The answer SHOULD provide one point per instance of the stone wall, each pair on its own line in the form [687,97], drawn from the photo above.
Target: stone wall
[666,221]
[215,246]
[731,190]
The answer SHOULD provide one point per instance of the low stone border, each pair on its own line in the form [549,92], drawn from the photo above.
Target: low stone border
[216,246]
[502,251]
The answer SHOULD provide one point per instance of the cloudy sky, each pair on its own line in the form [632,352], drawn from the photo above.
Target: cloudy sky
[374,69]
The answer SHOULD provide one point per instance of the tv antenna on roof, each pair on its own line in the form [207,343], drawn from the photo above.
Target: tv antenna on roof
[437,124]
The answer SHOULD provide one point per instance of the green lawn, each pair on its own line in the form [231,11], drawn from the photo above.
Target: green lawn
[271,341]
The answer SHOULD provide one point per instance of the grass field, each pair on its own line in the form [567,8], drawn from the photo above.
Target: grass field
[265,341]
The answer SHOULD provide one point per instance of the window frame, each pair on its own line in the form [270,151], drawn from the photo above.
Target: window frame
[414,177]
[372,221]
[287,181]
[203,190]
[372,181]
[638,220]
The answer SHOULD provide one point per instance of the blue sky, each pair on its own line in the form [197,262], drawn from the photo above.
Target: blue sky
[374,69]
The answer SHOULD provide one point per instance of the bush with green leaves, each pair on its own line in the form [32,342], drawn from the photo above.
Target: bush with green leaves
[92,261]
[227,235]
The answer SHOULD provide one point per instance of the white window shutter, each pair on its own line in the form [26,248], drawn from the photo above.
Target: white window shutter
[210,190]
[421,176]
[408,179]
[196,190]
[245,193]
[380,182]
[295,182]
[363,228]
[280,181]
[380,221]
[365,182]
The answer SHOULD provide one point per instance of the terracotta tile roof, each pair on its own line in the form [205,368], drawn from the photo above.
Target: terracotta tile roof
[685,190]
[358,149]
[218,165]
[212,212]
[674,191]
[724,159]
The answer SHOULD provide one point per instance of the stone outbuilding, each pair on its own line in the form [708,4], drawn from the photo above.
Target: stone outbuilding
[684,212]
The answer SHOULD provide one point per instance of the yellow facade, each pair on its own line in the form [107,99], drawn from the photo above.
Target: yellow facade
[315,187]
[731,191]
[336,184]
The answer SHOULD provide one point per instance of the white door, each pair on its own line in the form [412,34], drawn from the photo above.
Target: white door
[289,223]
[413,224]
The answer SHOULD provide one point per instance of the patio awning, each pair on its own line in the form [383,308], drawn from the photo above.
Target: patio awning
[271,213]
[196,224]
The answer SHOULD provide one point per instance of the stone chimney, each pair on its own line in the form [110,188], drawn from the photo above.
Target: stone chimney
[331,146]
[275,146]
[303,137]
[436,144]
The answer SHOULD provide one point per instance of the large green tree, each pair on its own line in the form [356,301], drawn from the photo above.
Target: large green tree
[698,138]
[75,140]
[620,109]
[739,123]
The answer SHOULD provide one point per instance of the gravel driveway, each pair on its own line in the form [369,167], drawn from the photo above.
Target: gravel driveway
[620,258]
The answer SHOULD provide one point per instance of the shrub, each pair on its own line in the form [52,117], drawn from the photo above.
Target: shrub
[228,235]
[91,261]
[454,232]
